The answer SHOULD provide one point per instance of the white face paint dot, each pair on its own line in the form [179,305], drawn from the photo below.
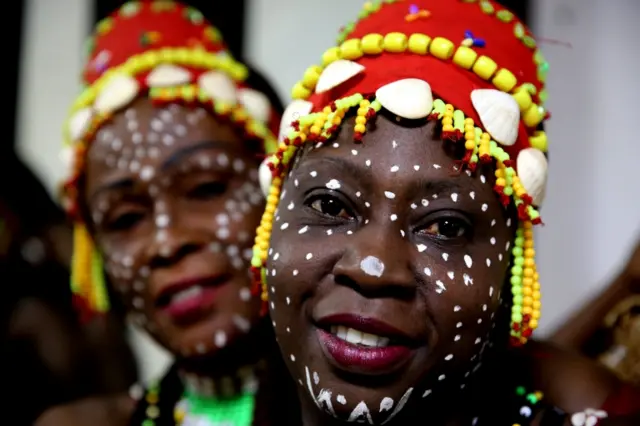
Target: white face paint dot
[313,173]
[354,152]
[421,247]
[441,377]
[333,184]
[220,339]
[394,217]
[284,226]
[292,357]
[468,261]
[390,195]
[448,357]
[457,308]
[303,230]
[454,197]
[368,163]
[445,256]
[308,256]
[427,271]
[416,167]
[488,262]
[457,337]
[484,207]
[472,195]
[373,266]
[394,169]
[295,272]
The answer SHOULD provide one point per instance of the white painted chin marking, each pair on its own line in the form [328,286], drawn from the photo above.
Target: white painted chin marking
[356,337]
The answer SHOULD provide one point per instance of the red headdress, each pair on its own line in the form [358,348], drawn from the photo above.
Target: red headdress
[473,66]
[167,51]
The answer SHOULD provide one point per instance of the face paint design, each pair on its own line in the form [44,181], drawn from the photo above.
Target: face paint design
[385,263]
[174,199]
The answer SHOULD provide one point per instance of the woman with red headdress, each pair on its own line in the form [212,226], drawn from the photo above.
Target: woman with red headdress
[396,250]
[165,143]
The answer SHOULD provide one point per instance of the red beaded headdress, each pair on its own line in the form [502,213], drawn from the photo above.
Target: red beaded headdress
[471,65]
[167,51]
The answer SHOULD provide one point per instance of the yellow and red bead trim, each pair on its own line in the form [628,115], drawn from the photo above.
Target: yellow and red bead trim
[421,44]
[322,126]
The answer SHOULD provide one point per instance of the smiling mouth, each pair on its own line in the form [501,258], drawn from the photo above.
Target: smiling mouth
[356,337]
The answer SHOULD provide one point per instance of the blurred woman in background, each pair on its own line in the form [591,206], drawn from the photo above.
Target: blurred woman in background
[165,144]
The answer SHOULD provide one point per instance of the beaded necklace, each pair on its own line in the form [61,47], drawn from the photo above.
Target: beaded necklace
[228,401]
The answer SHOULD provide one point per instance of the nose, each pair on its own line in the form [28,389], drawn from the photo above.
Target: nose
[375,262]
[172,241]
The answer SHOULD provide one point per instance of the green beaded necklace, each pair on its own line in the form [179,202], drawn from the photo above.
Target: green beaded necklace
[201,409]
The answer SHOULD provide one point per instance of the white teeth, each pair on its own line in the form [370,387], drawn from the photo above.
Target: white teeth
[356,337]
[194,291]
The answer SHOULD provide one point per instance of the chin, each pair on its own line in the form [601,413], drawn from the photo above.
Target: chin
[353,393]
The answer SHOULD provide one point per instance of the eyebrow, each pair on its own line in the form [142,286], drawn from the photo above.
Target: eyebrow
[125,183]
[354,170]
[180,154]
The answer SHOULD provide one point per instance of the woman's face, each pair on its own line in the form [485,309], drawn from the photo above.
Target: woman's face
[385,270]
[174,202]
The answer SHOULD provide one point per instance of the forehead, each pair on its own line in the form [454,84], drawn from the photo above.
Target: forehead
[389,150]
[145,134]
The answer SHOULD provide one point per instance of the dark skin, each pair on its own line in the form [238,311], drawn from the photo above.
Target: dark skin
[172,194]
[444,263]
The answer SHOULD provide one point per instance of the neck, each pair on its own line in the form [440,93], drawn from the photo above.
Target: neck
[233,369]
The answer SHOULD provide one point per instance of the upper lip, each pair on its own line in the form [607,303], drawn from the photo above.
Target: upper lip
[365,324]
[163,297]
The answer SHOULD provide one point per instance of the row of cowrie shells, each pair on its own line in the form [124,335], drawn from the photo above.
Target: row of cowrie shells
[122,89]
[412,98]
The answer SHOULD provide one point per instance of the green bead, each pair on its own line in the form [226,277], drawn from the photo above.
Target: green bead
[520,390]
[129,9]
[487,7]
[532,399]
[517,299]
[529,41]
[516,317]
[504,16]
[518,30]
[148,422]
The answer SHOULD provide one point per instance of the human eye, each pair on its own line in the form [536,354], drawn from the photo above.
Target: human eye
[123,220]
[330,205]
[447,228]
[207,190]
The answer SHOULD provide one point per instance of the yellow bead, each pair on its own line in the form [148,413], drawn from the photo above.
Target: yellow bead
[523,98]
[360,128]
[539,140]
[361,120]
[501,182]
[526,310]
[419,43]
[371,44]
[442,48]
[330,55]
[505,80]
[395,42]
[300,92]
[311,76]
[534,322]
[533,115]
[468,145]
[351,50]
[465,57]
[536,304]
[485,67]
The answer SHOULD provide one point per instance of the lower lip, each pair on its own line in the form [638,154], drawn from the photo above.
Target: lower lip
[193,306]
[363,359]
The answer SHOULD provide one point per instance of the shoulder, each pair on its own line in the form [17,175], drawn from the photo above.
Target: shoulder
[569,380]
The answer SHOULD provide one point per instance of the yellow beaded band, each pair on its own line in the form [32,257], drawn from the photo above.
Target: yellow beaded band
[421,44]
[323,126]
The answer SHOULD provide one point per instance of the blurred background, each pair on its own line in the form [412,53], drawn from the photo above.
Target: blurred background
[592,212]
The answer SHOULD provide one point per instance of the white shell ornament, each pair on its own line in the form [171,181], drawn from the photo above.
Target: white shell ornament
[532,169]
[410,98]
[167,75]
[256,104]
[499,114]
[337,73]
[293,112]
[265,176]
[219,86]
[79,123]
[117,93]
[66,158]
